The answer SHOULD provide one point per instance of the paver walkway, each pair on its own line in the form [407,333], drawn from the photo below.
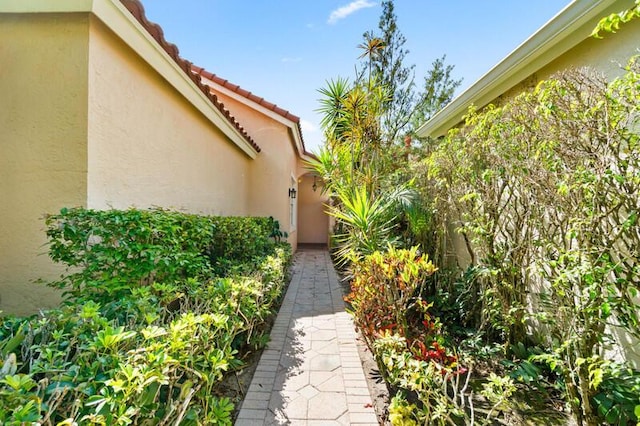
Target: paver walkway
[310,373]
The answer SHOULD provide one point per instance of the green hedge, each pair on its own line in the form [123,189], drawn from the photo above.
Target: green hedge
[238,240]
[147,332]
[133,248]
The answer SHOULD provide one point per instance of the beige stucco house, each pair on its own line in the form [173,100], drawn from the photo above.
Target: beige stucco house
[98,110]
[279,132]
[562,43]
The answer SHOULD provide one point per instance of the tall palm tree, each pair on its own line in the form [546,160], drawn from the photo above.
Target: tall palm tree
[335,122]
[372,49]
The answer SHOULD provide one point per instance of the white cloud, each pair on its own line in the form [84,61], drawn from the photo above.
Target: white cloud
[344,11]
[308,126]
[313,137]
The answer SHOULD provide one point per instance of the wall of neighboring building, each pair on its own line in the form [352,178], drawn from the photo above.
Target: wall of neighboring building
[274,170]
[607,56]
[43,132]
[148,146]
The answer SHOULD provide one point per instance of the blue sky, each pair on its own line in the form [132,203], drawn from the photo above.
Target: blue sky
[285,50]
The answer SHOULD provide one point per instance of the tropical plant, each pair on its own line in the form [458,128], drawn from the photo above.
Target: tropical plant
[156,353]
[545,189]
[370,222]
[613,22]
[438,89]
[363,123]
[406,338]
[385,291]
[334,114]
[372,50]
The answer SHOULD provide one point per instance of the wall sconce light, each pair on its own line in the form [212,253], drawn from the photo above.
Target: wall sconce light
[315,184]
[292,193]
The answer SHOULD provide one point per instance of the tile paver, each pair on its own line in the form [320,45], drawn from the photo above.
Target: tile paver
[310,373]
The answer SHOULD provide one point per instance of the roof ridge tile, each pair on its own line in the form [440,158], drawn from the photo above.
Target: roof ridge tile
[245,93]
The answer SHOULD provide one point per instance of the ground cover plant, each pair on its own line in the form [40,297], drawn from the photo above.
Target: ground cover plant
[155,315]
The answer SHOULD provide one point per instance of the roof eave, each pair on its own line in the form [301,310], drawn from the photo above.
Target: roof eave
[258,104]
[568,28]
[135,31]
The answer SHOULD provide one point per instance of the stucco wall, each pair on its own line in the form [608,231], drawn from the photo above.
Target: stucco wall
[607,56]
[148,146]
[43,111]
[273,170]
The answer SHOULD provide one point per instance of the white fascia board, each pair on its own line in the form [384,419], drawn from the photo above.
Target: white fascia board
[306,157]
[117,18]
[567,29]
[113,14]
[261,109]
[297,136]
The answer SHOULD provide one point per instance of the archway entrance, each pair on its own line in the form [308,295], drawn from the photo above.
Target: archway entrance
[313,222]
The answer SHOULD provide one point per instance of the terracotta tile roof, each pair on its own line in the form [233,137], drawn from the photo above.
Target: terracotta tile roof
[252,97]
[245,93]
[137,10]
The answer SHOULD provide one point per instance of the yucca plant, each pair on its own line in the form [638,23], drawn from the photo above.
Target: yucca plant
[369,222]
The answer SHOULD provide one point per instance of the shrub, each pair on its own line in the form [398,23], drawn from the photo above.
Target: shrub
[126,249]
[238,240]
[109,253]
[157,352]
[545,190]
[385,291]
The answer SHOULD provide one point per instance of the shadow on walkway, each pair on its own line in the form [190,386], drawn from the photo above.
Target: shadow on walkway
[310,373]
